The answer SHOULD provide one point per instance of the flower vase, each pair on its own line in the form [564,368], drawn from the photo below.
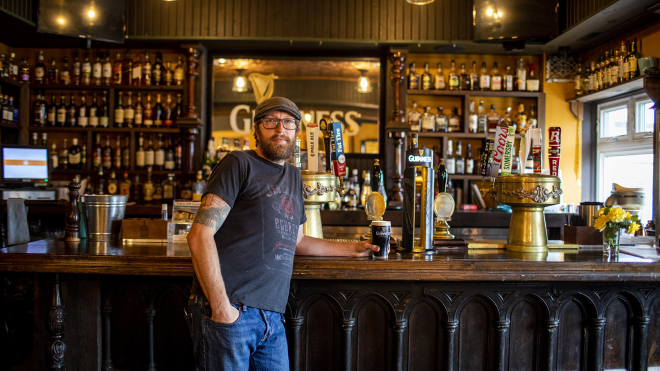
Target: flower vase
[611,241]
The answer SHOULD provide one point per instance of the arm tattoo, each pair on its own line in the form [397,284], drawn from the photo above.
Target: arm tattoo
[212,212]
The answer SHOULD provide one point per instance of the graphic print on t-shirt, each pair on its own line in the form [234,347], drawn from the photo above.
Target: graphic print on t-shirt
[279,253]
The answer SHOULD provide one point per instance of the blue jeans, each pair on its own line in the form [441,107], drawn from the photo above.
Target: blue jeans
[256,341]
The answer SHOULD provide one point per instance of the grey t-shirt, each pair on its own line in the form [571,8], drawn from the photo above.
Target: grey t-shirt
[257,241]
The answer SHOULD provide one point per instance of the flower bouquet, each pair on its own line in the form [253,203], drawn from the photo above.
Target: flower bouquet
[610,221]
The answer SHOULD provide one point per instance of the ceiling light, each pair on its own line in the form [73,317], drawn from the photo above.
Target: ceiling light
[364,85]
[241,84]
[420,2]
[91,14]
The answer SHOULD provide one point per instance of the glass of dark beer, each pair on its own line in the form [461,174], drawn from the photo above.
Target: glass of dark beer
[380,236]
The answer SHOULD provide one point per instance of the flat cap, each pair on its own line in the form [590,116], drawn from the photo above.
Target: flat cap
[276,104]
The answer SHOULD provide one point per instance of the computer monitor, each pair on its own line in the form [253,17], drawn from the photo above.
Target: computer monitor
[24,165]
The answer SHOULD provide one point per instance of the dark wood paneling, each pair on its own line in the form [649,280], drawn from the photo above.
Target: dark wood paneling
[616,335]
[524,337]
[426,340]
[320,350]
[654,334]
[474,334]
[21,8]
[572,334]
[579,10]
[372,328]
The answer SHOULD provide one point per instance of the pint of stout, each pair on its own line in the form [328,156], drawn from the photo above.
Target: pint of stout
[380,236]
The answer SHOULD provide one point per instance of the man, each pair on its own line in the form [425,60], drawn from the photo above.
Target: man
[242,242]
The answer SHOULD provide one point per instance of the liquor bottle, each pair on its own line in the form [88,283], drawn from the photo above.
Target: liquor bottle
[622,57]
[473,126]
[72,112]
[158,112]
[51,112]
[148,113]
[441,121]
[495,78]
[113,185]
[107,69]
[465,81]
[481,114]
[14,110]
[83,116]
[39,111]
[61,111]
[117,154]
[178,155]
[428,120]
[129,112]
[13,67]
[100,182]
[169,188]
[119,113]
[97,69]
[7,110]
[474,77]
[148,188]
[531,119]
[127,69]
[74,154]
[414,118]
[454,78]
[106,159]
[3,66]
[592,75]
[65,74]
[413,77]
[492,119]
[450,161]
[76,69]
[64,155]
[168,74]
[365,190]
[440,83]
[207,164]
[631,60]
[224,149]
[179,72]
[83,157]
[520,118]
[460,161]
[157,70]
[86,70]
[178,109]
[140,154]
[454,121]
[35,139]
[614,68]
[125,185]
[170,160]
[137,70]
[606,70]
[117,70]
[198,187]
[427,78]
[136,190]
[150,154]
[97,153]
[25,71]
[521,74]
[54,158]
[40,69]
[484,77]
[53,73]
[246,144]
[508,79]
[532,82]
[599,76]
[168,112]
[146,70]
[469,161]
[138,111]
[94,112]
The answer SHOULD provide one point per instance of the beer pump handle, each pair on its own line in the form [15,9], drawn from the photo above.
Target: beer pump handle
[323,128]
[376,176]
[442,176]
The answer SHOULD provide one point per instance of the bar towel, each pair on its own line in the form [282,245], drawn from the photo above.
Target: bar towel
[17,225]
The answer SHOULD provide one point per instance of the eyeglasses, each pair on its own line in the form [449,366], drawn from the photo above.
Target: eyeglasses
[271,123]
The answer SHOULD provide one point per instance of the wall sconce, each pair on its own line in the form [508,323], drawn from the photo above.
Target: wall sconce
[364,85]
[241,83]
[420,2]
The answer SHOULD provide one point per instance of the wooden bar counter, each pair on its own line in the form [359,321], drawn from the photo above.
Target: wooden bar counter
[122,307]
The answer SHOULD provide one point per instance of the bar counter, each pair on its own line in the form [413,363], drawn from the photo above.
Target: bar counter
[475,309]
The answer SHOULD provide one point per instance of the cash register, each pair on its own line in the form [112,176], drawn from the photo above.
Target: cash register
[25,173]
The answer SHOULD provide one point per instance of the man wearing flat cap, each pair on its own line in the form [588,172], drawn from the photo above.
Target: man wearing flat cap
[243,240]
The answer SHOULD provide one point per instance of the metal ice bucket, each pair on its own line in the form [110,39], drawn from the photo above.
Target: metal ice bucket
[103,216]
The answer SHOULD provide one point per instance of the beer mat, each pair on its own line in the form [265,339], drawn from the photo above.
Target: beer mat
[559,244]
[456,243]
[501,244]
[642,252]
[131,241]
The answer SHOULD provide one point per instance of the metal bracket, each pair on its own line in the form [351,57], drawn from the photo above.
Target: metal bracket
[536,194]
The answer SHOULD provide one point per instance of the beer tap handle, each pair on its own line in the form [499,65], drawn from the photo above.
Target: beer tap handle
[376,176]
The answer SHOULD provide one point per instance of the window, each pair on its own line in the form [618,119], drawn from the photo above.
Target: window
[625,148]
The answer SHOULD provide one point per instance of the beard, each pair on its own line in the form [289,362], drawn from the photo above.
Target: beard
[275,151]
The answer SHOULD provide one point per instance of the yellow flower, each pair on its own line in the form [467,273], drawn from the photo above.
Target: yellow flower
[600,212]
[633,228]
[628,216]
[601,222]
[616,215]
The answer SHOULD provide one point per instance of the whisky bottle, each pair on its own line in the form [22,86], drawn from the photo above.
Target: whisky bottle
[139,111]
[119,113]
[100,182]
[474,77]
[531,119]
[117,155]
[113,185]
[86,70]
[631,59]
[97,153]
[106,159]
[74,154]
[140,154]
[179,73]
[83,116]
[51,112]
[508,79]
[149,188]
[454,121]
[622,57]
[35,139]
[427,78]
[168,112]
[484,77]
[474,119]
[25,70]
[76,70]
[169,188]
[413,77]
[117,70]
[440,83]
[460,161]
[592,77]
[72,112]
[521,75]
[520,118]
[159,158]
[64,155]
[97,69]
[168,74]
[441,121]
[414,119]
[150,154]
[469,161]
[137,71]
[125,185]
[465,78]
[178,109]
[532,82]
[606,70]
[127,69]
[13,67]
[481,113]
[198,187]
[136,190]
[61,111]
[146,70]
[170,162]
[157,70]
[39,109]
[614,68]
[495,78]
[454,79]
[129,112]
[126,154]
[428,120]
[450,161]
[492,120]
[107,69]
[158,112]
[53,72]
[65,75]
[148,113]
[40,69]
[94,112]
[54,158]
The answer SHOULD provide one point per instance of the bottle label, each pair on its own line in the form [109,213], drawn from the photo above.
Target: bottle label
[51,116]
[426,82]
[158,123]
[149,158]
[107,71]
[124,189]
[168,191]
[97,72]
[196,196]
[137,72]
[453,81]
[112,188]
[93,121]
[65,77]
[474,123]
[39,73]
[497,83]
[485,81]
[441,123]
[148,191]
[632,67]
[148,123]
[160,157]
[138,117]
[178,74]
[129,114]
[104,121]
[96,160]
[427,123]
[55,160]
[450,165]
[482,124]
[169,165]
[82,121]
[139,158]
[626,69]
[74,159]
[614,77]
[119,116]
[509,83]
[61,115]
[440,82]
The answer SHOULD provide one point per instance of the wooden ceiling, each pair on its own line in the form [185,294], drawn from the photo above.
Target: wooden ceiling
[225,69]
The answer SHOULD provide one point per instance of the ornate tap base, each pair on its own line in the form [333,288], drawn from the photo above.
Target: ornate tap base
[442,231]
[527,232]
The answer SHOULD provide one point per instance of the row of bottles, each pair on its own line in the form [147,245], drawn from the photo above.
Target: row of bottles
[97,115]
[356,192]
[610,68]
[103,71]
[511,80]
[214,154]
[9,109]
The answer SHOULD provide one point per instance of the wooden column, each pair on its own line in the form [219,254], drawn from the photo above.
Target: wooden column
[294,344]
[450,347]
[640,354]
[596,341]
[193,63]
[398,139]
[72,221]
[55,328]
[107,356]
[399,329]
[346,346]
[550,338]
[150,314]
[398,60]
[501,328]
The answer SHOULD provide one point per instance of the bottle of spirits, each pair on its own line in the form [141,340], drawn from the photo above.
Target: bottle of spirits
[113,184]
[65,74]
[207,165]
[97,69]
[72,112]
[119,113]
[74,154]
[54,158]
[168,112]
[76,74]
[474,119]
[61,111]
[40,111]
[157,70]
[129,112]
[148,113]
[83,157]
[51,112]
[481,114]
[454,121]
[159,159]
[83,116]
[365,190]
[158,112]
[532,82]
[127,69]
[440,83]
[454,78]
[413,77]
[520,118]
[107,69]
[614,68]
[100,182]
[126,154]
[25,70]
[521,74]
[170,161]
[492,119]
[117,70]
[146,70]
[64,155]
[631,60]
[13,67]
[450,161]
[428,120]
[179,72]
[86,70]
[531,119]
[139,111]
[495,78]
[104,115]
[186,191]
[94,112]
[148,188]
[606,70]
[140,153]
[178,108]
[474,77]
[414,118]
[136,191]
[53,72]
[14,110]
[198,187]
[107,154]
[35,139]
[168,74]
[137,71]
[117,155]
[40,69]
[484,77]
[441,121]
[469,161]
[169,188]
[508,79]
[427,78]
[460,161]
[465,78]
[125,185]
[97,153]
